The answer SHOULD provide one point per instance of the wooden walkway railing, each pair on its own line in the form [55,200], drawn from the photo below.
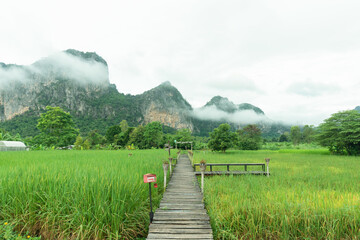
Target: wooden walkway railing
[228,172]
[181,214]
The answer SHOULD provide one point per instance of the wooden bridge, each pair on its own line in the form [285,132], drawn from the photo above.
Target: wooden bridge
[181,214]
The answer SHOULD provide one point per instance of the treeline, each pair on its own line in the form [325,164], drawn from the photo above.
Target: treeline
[340,134]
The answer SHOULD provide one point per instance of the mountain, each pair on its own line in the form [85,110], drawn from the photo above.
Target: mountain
[79,83]
[223,104]
[221,110]
[357,108]
[166,105]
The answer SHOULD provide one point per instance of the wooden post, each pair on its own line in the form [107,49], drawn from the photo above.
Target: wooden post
[202,169]
[202,181]
[170,162]
[169,150]
[267,166]
[165,168]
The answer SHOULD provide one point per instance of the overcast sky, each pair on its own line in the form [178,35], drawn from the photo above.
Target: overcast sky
[299,61]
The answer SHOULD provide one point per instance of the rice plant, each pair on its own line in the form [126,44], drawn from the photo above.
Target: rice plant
[79,194]
[309,195]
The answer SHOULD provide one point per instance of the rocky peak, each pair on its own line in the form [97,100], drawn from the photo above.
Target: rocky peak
[248,106]
[166,96]
[88,56]
[165,104]
[224,104]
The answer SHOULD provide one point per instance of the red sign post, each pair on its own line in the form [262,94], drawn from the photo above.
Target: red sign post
[149,178]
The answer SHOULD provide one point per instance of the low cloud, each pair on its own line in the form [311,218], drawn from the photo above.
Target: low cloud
[77,68]
[239,117]
[62,65]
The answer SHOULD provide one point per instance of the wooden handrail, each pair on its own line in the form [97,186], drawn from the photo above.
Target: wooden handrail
[232,164]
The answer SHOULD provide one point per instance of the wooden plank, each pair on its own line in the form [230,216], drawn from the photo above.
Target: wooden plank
[181,231]
[182,222]
[178,226]
[187,211]
[180,236]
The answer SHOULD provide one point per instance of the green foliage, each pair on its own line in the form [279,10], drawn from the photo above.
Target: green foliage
[78,143]
[285,137]
[295,135]
[308,133]
[184,135]
[136,137]
[153,135]
[309,195]
[95,138]
[6,136]
[112,132]
[124,126]
[122,138]
[341,133]
[249,138]
[24,124]
[79,194]
[56,127]
[221,138]
[7,232]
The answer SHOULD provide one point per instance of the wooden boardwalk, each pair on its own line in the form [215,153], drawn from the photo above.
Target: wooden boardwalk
[181,214]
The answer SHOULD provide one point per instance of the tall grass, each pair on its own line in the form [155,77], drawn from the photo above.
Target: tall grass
[309,195]
[79,194]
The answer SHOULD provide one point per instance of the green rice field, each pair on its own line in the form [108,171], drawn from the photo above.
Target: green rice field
[79,194]
[309,195]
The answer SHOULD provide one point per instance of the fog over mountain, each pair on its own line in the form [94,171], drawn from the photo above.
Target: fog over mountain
[79,83]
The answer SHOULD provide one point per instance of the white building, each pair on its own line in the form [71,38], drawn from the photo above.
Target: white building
[12,146]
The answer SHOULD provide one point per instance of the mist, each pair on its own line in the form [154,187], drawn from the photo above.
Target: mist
[62,65]
[239,117]
[77,68]
[12,74]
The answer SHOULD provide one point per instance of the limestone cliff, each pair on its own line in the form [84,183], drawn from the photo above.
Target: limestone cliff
[54,81]
[166,105]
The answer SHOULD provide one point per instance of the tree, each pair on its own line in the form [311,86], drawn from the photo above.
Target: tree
[95,138]
[78,143]
[136,137]
[284,137]
[153,134]
[57,128]
[124,126]
[341,133]
[308,133]
[111,132]
[221,138]
[249,137]
[122,138]
[295,135]
[184,135]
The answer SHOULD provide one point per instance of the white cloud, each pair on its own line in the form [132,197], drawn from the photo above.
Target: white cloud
[248,51]
[66,65]
[83,71]
[9,75]
[238,117]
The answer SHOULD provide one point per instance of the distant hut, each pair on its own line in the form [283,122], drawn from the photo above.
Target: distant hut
[12,146]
